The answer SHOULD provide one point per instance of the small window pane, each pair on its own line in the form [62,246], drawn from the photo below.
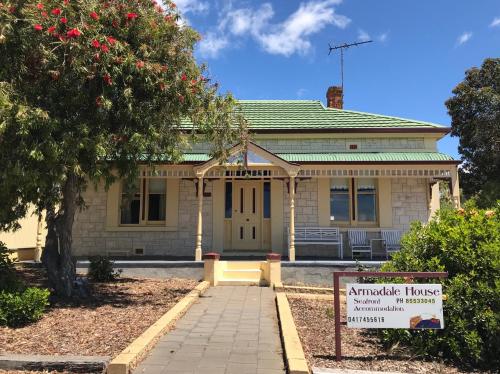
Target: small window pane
[229,200]
[366,185]
[339,199]
[267,200]
[339,185]
[366,208]
[130,204]
[157,200]
[339,206]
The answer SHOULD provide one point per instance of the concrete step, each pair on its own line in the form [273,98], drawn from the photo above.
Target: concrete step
[238,265]
[254,274]
[240,282]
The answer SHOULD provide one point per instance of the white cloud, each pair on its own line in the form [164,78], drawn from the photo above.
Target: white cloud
[383,37]
[363,36]
[211,44]
[495,22]
[193,6]
[464,38]
[301,92]
[283,38]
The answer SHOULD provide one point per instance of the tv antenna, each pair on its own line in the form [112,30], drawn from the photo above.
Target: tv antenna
[342,47]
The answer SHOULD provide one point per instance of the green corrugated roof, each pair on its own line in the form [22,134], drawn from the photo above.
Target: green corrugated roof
[312,114]
[345,157]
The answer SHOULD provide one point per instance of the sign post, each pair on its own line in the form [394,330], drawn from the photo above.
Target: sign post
[415,306]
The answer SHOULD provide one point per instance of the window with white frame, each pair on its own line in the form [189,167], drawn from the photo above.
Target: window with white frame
[144,202]
[353,200]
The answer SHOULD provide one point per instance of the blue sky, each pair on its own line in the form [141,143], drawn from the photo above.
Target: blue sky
[279,50]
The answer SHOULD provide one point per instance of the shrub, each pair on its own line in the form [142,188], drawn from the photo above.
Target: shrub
[8,277]
[21,308]
[466,244]
[101,269]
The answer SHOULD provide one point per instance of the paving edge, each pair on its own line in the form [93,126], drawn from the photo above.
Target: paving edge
[294,354]
[75,364]
[138,349]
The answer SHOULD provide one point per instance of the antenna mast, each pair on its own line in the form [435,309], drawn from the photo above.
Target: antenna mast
[342,47]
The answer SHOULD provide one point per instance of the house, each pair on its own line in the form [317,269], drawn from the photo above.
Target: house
[307,166]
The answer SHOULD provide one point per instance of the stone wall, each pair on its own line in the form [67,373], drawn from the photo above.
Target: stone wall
[90,236]
[409,202]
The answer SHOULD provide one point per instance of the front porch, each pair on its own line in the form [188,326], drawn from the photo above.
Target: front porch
[259,202]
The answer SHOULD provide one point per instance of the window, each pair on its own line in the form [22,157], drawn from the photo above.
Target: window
[130,204]
[353,200]
[157,196]
[229,200]
[144,202]
[366,200]
[339,200]
[267,199]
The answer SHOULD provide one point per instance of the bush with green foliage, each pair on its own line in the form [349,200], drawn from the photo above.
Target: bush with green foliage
[101,269]
[466,244]
[8,277]
[21,308]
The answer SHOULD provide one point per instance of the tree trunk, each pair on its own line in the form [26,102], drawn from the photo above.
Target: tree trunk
[57,256]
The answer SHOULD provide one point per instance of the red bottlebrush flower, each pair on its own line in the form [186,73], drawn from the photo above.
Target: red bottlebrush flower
[168,18]
[44,14]
[51,29]
[66,2]
[172,5]
[162,86]
[64,20]
[164,68]
[184,77]
[97,56]
[38,27]
[193,81]
[12,9]
[98,101]
[111,40]
[131,16]
[181,98]
[107,79]
[94,16]
[104,48]
[95,43]
[39,6]
[73,33]
[139,64]
[56,11]
[115,24]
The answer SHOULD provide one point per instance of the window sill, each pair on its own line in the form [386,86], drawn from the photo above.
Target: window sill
[141,228]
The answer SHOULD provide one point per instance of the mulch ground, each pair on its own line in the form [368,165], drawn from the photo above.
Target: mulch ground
[361,349]
[101,325]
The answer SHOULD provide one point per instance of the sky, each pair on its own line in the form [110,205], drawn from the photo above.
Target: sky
[279,50]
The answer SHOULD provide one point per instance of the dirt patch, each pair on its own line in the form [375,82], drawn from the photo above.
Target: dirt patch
[101,325]
[361,349]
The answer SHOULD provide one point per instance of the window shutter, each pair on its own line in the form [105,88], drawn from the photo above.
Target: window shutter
[113,205]
[385,202]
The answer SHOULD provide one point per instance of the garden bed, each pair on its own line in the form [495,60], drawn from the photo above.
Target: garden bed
[361,349]
[101,325]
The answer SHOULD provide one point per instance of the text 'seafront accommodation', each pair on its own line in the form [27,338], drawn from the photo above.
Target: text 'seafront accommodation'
[308,166]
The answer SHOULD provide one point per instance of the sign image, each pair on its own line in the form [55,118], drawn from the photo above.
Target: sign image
[406,306]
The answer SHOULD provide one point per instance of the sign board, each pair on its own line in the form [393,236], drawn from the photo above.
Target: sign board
[406,306]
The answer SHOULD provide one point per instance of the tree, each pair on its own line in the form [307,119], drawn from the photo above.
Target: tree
[475,115]
[87,88]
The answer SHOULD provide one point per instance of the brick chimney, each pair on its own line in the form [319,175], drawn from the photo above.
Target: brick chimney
[334,97]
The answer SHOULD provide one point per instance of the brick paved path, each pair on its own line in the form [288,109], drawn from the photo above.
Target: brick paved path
[232,329]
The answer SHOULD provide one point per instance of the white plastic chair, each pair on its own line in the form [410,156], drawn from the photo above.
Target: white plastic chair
[359,243]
